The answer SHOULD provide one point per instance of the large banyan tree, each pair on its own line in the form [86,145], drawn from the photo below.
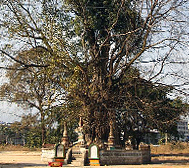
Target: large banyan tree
[92,47]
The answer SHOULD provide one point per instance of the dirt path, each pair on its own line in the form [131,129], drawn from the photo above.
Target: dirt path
[29,159]
[21,159]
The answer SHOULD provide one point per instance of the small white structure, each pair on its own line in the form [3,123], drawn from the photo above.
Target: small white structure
[48,154]
[93,151]
[182,128]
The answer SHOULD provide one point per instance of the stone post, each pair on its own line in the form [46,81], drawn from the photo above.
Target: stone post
[80,122]
[111,138]
[81,136]
[146,153]
[166,138]
[65,140]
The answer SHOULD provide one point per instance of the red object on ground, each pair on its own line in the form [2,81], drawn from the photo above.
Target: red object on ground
[59,160]
[55,164]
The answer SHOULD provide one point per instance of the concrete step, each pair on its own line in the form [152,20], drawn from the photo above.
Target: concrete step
[76,151]
[71,165]
[76,155]
[75,148]
[76,163]
[77,159]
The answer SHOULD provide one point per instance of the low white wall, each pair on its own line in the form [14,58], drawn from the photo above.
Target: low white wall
[48,154]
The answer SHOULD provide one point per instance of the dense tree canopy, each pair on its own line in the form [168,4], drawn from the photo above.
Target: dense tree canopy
[90,50]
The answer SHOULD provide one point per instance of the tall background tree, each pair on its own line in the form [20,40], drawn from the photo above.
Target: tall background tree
[30,86]
[92,50]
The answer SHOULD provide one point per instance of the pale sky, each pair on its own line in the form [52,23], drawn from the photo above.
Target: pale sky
[10,112]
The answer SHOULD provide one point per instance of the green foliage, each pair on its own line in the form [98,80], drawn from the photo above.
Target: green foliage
[7,133]
[145,107]
[30,130]
[67,113]
[33,139]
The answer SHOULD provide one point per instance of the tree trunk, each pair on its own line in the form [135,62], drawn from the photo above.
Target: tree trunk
[43,129]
